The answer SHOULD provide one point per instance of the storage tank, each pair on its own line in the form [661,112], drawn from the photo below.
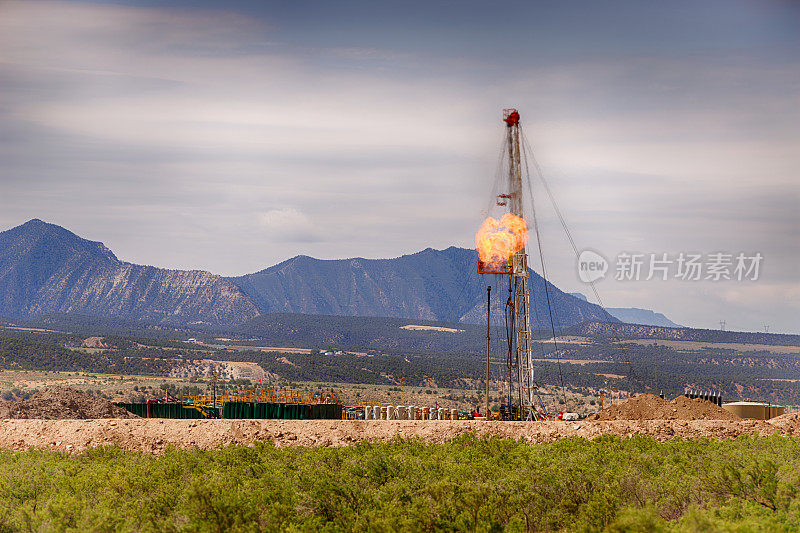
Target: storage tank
[754,410]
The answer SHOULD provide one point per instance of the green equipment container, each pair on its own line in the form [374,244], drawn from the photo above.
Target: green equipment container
[170,410]
[285,411]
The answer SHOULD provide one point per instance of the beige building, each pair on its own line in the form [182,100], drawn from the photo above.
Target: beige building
[754,410]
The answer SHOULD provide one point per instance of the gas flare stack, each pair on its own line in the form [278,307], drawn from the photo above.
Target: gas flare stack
[501,251]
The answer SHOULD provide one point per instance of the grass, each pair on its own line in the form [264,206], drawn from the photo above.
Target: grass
[468,484]
[116,386]
[464,399]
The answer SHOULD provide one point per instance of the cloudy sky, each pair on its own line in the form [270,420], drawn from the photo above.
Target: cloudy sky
[228,136]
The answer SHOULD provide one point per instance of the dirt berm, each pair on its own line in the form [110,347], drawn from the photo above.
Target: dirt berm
[62,404]
[156,435]
[651,407]
[788,423]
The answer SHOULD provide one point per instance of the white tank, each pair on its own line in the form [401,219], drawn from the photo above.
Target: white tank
[367,412]
[391,412]
[441,413]
[402,414]
[412,415]
[380,413]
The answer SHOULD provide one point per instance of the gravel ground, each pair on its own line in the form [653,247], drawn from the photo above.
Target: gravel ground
[155,435]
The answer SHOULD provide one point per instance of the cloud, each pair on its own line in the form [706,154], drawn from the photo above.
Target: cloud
[289,225]
[194,138]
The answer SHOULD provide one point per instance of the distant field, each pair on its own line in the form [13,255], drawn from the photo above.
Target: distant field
[415,327]
[396,365]
[239,347]
[132,387]
[115,386]
[567,339]
[694,345]
[461,398]
[575,361]
[19,328]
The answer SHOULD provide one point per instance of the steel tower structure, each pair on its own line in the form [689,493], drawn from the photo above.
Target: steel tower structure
[518,306]
[518,273]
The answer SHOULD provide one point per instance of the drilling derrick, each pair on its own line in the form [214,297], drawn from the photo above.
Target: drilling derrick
[501,247]
[518,274]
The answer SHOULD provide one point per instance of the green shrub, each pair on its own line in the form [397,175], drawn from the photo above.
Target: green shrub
[467,484]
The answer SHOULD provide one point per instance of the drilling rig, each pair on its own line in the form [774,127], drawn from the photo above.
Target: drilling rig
[515,267]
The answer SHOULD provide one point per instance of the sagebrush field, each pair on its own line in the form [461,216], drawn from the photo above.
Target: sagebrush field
[468,484]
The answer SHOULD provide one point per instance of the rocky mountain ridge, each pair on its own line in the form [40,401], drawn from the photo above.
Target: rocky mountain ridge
[440,285]
[47,269]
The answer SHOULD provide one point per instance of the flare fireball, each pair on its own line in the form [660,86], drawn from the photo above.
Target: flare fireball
[497,240]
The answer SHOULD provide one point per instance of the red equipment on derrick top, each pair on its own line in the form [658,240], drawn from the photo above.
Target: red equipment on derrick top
[511,117]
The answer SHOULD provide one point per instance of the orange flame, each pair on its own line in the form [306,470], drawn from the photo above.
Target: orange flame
[497,240]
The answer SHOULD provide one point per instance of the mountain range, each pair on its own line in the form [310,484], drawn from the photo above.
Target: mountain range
[45,269]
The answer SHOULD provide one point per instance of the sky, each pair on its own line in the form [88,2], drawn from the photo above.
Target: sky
[229,136]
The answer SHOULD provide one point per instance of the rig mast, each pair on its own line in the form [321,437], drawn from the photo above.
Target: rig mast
[518,274]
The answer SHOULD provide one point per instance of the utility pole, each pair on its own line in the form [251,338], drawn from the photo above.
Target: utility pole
[488,337]
[214,386]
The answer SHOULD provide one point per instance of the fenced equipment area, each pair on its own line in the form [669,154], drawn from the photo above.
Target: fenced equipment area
[263,404]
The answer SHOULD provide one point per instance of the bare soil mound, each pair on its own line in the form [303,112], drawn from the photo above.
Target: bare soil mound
[651,407]
[62,404]
[789,423]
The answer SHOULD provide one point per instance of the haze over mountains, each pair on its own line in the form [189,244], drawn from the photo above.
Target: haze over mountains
[635,315]
[46,269]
